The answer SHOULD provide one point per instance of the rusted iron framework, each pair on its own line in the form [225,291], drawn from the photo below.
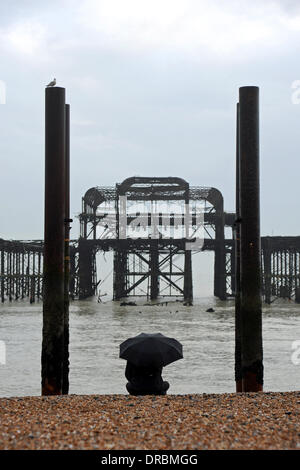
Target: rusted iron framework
[21,270]
[280,268]
[140,259]
[21,266]
[156,261]
[143,220]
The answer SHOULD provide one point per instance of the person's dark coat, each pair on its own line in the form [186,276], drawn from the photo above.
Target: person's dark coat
[145,380]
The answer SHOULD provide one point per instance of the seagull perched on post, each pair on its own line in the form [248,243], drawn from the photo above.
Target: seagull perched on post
[53,83]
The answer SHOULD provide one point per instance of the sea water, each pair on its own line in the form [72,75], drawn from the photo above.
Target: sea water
[97,329]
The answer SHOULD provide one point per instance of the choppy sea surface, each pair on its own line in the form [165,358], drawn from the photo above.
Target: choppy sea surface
[97,329]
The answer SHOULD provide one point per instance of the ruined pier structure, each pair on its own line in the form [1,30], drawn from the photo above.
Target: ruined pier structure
[21,270]
[154,226]
[143,222]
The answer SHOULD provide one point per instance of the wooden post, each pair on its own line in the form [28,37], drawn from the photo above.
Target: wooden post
[188,273]
[220,255]
[2,275]
[53,298]
[188,281]
[154,269]
[65,385]
[85,269]
[238,357]
[120,270]
[251,315]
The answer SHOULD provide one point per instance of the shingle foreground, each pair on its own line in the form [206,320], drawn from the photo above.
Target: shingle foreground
[225,421]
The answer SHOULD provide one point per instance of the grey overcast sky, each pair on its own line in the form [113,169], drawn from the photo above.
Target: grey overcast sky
[153,87]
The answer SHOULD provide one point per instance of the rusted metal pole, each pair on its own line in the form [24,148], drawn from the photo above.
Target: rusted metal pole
[10,276]
[251,315]
[154,269]
[120,269]
[23,275]
[220,256]
[53,298]
[65,385]
[188,272]
[2,275]
[39,277]
[238,357]
[188,282]
[297,295]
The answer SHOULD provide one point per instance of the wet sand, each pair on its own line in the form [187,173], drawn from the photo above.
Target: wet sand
[215,421]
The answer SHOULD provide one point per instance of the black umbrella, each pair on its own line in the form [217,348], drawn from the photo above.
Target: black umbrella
[151,349]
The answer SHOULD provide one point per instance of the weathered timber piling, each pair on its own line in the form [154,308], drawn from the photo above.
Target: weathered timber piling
[53,298]
[297,295]
[154,268]
[188,281]
[39,277]
[238,357]
[32,289]
[120,269]
[220,256]
[65,385]
[188,273]
[86,269]
[2,276]
[251,315]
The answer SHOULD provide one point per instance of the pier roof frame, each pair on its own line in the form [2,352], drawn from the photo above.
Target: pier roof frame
[152,188]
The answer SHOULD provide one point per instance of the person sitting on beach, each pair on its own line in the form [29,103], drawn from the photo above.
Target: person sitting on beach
[145,380]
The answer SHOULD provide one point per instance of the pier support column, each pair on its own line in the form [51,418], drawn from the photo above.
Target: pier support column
[65,386]
[237,241]
[251,315]
[154,269]
[85,269]
[232,267]
[188,281]
[297,295]
[220,259]
[120,270]
[2,276]
[32,289]
[53,296]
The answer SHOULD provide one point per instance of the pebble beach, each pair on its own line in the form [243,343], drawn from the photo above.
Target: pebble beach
[118,422]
